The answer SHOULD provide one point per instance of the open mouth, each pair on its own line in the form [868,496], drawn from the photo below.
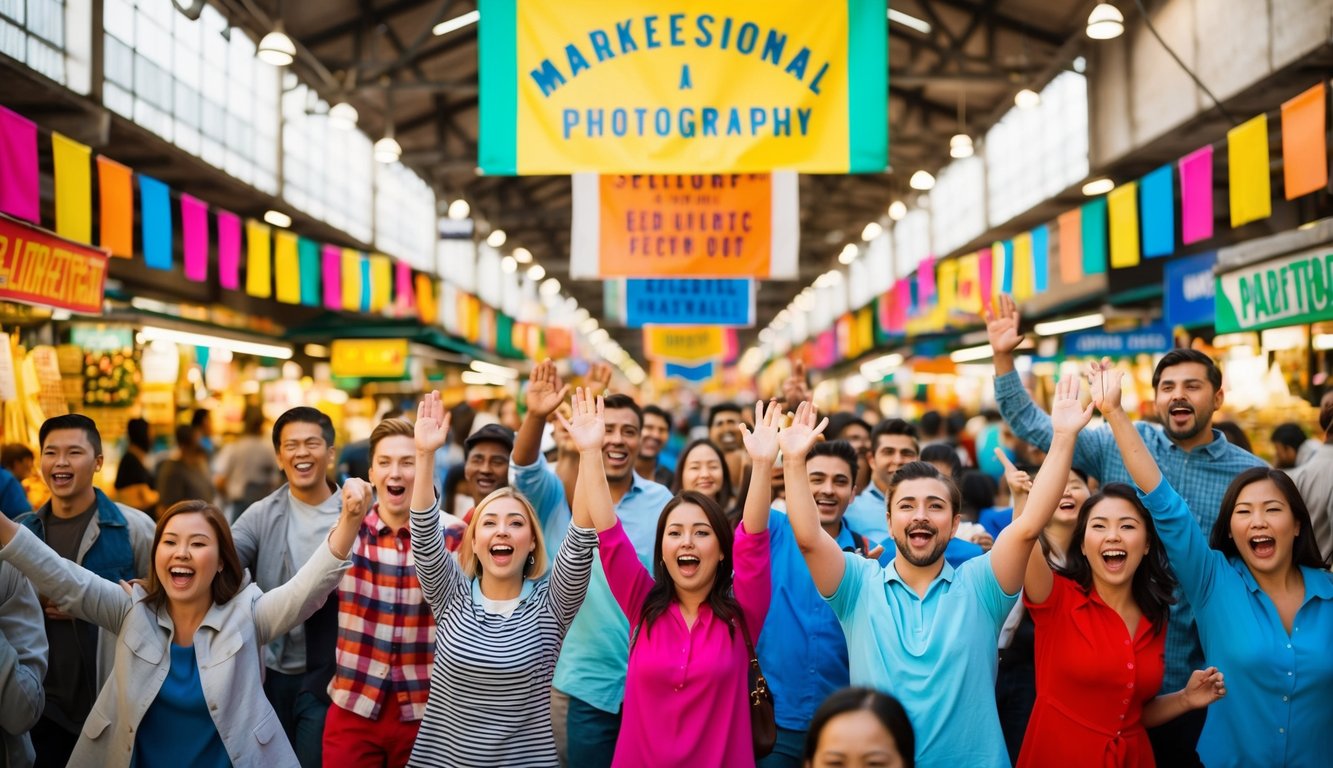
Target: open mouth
[61,479]
[395,493]
[616,457]
[304,467]
[485,483]
[501,554]
[1067,505]
[688,565]
[826,506]
[181,577]
[1263,546]
[1114,560]
[1180,414]
[921,536]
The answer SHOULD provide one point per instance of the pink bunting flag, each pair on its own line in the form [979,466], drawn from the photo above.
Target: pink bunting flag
[332,258]
[20,195]
[1196,195]
[986,268]
[925,281]
[194,237]
[405,299]
[229,250]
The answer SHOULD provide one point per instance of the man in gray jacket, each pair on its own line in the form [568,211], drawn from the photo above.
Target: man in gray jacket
[273,538]
[22,667]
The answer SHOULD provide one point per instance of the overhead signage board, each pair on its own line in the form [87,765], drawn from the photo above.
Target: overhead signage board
[681,86]
[38,267]
[1149,339]
[1293,290]
[369,358]
[684,345]
[688,302]
[702,225]
[1188,288]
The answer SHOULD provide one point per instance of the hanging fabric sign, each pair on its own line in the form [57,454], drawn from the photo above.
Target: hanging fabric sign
[74,188]
[115,194]
[229,250]
[688,302]
[155,215]
[20,191]
[368,358]
[688,344]
[37,267]
[1294,290]
[738,225]
[586,85]
[1188,290]
[194,238]
[691,373]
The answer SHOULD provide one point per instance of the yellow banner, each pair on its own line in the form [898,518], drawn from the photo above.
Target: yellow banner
[259,260]
[683,344]
[74,197]
[381,282]
[368,358]
[1247,156]
[288,267]
[1123,208]
[351,280]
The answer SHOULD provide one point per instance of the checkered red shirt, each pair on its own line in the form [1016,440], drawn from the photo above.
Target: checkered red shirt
[386,636]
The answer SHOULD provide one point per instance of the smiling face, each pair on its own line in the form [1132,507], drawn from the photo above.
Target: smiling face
[656,432]
[890,454]
[1115,541]
[702,471]
[486,468]
[1264,528]
[304,455]
[503,539]
[620,448]
[69,463]
[922,520]
[691,550]
[393,470]
[725,430]
[856,738]
[1076,492]
[1186,400]
[186,559]
[831,482]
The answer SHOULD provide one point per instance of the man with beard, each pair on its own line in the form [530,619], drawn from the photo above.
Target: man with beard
[724,429]
[589,684]
[656,432]
[1195,459]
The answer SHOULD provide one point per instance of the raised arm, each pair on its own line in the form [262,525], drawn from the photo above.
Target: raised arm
[822,554]
[593,507]
[545,393]
[1105,381]
[762,445]
[23,652]
[72,588]
[436,569]
[1011,557]
[357,498]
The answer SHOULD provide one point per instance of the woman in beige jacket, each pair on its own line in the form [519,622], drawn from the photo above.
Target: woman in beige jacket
[188,649]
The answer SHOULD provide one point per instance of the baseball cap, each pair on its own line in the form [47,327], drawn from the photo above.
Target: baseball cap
[494,433]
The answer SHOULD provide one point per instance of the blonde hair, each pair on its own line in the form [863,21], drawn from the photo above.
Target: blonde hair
[471,564]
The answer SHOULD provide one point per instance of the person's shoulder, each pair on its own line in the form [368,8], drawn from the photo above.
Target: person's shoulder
[136,517]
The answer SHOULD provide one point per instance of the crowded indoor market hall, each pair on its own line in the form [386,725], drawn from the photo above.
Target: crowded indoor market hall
[657,383]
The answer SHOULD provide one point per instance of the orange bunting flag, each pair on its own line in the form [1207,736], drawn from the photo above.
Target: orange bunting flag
[115,191]
[1304,153]
[1069,228]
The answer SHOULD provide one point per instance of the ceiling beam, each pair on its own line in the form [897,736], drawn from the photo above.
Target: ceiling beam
[362,23]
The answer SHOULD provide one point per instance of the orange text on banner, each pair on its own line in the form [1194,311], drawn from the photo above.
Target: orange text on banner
[37,267]
[368,358]
[683,343]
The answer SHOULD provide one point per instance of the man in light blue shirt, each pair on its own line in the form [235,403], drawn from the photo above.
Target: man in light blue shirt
[595,654]
[1195,459]
[893,443]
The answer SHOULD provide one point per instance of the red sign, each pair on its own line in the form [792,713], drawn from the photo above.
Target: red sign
[37,267]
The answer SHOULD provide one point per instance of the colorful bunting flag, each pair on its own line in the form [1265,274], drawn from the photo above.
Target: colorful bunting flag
[404,297]
[155,220]
[947,284]
[1021,274]
[259,259]
[1123,207]
[1157,212]
[1041,258]
[331,258]
[381,282]
[287,267]
[115,193]
[925,279]
[1304,146]
[985,277]
[74,188]
[308,251]
[1093,219]
[229,250]
[969,284]
[427,310]
[1002,256]
[1069,229]
[194,238]
[1196,195]
[1247,158]
[20,195]
[351,280]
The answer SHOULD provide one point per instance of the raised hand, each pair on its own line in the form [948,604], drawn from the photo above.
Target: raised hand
[545,389]
[1068,415]
[799,437]
[1019,482]
[588,429]
[794,389]
[1104,379]
[1002,324]
[598,379]
[357,498]
[1204,687]
[431,430]
[762,442]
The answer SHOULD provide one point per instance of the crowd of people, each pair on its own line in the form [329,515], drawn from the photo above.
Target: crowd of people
[794,589]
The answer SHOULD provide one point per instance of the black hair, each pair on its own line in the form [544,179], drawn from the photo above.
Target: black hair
[1304,550]
[945,454]
[71,421]
[920,470]
[1289,434]
[663,592]
[978,491]
[303,414]
[139,435]
[886,709]
[724,499]
[722,408]
[838,449]
[839,422]
[1153,586]
[1234,435]
[618,401]
[931,422]
[653,410]
[1180,356]
[13,453]
[199,418]
[892,427]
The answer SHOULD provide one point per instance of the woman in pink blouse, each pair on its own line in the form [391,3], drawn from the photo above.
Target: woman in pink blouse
[687,690]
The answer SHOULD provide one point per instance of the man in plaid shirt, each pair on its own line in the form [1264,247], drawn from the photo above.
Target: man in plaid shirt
[386,636]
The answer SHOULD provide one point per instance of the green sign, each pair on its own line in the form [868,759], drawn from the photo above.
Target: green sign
[1294,290]
[101,338]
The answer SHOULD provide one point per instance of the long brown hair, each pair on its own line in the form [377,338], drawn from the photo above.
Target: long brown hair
[720,598]
[227,581]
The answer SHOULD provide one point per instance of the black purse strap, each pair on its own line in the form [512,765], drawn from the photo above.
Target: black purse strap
[759,686]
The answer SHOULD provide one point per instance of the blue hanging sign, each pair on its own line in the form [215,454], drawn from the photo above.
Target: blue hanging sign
[1189,288]
[728,302]
[1146,340]
[694,373]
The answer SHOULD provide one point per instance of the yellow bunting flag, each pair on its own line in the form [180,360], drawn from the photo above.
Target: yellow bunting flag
[865,329]
[1023,270]
[74,189]
[1123,208]
[969,283]
[1247,155]
[287,267]
[351,282]
[381,282]
[946,284]
[259,260]
[115,190]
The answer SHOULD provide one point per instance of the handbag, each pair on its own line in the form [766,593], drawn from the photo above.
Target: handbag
[763,722]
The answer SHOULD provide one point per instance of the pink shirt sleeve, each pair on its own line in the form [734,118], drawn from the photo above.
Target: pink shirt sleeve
[628,579]
[753,577]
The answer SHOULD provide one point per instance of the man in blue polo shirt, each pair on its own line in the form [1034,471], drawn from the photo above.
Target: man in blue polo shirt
[802,650]
[590,676]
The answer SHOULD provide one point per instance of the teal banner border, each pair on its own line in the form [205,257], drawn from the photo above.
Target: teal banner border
[497,55]
[867,86]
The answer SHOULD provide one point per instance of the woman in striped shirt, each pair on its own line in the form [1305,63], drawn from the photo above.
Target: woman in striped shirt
[498,629]
[686,691]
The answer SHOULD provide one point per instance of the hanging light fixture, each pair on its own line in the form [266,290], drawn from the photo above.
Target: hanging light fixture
[1098,187]
[922,180]
[897,210]
[388,150]
[522,255]
[1105,22]
[960,145]
[276,48]
[871,231]
[459,209]
[536,272]
[496,238]
[343,116]
[1027,99]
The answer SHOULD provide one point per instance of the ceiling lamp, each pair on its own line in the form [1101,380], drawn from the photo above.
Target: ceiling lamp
[536,272]
[343,116]
[456,23]
[459,209]
[1098,187]
[848,254]
[897,210]
[388,150]
[278,219]
[922,180]
[522,255]
[276,48]
[551,287]
[909,21]
[1027,99]
[871,231]
[509,265]
[496,238]
[1105,22]
[960,146]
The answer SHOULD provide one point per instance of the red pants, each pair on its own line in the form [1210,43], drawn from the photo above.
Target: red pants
[353,741]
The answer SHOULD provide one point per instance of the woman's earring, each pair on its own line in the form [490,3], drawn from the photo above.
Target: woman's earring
[532,559]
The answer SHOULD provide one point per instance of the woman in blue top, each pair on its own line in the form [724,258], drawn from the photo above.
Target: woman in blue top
[1262,600]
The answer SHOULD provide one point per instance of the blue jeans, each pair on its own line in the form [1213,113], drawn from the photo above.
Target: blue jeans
[301,715]
[590,734]
[788,752]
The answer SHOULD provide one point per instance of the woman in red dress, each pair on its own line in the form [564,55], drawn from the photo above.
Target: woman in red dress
[1101,632]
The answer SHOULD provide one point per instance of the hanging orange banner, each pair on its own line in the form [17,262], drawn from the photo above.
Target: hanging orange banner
[38,267]
[115,191]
